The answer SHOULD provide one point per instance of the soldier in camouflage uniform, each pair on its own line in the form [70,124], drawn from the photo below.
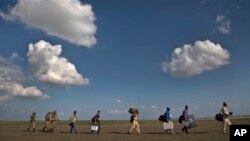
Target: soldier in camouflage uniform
[48,118]
[32,122]
[53,121]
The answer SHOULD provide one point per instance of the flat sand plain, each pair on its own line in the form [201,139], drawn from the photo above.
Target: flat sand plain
[207,130]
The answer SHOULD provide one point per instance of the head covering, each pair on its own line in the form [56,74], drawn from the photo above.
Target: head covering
[168,109]
[224,104]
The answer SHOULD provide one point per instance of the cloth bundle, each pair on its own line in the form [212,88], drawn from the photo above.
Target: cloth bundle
[162,118]
[133,110]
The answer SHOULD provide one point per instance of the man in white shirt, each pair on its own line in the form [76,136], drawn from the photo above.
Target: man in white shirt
[72,121]
[225,113]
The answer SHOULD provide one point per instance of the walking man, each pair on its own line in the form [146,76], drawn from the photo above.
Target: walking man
[225,114]
[72,122]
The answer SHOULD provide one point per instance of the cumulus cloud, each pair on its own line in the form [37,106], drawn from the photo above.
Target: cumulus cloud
[153,107]
[117,111]
[67,19]
[143,107]
[48,66]
[11,79]
[14,56]
[194,59]
[18,90]
[223,24]
[7,17]
[118,100]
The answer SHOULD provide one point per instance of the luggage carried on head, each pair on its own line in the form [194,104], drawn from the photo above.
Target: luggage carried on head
[162,118]
[133,111]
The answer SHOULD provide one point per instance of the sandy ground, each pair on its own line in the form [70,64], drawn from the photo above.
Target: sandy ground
[207,130]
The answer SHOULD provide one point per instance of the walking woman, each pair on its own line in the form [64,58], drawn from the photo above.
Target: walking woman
[225,114]
[32,122]
[135,123]
[168,120]
[185,122]
[72,122]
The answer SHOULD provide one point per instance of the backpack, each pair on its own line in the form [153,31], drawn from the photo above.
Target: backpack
[47,117]
[93,119]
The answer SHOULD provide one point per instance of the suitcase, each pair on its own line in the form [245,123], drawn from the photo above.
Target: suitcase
[192,121]
[94,127]
[167,126]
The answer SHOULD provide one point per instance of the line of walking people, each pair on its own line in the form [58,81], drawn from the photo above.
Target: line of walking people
[51,118]
[188,121]
[185,119]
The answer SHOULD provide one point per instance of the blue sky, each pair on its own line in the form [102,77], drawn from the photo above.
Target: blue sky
[144,54]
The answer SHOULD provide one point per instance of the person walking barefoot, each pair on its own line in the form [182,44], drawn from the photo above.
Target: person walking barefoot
[135,122]
[225,114]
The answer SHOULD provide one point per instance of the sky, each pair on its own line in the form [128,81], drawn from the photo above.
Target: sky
[111,55]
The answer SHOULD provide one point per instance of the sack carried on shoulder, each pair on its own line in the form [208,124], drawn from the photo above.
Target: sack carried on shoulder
[133,110]
[162,118]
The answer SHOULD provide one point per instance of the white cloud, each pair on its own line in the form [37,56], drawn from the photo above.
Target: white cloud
[18,90]
[220,18]
[223,24]
[48,66]
[14,56]
[196,107]
[7,17]
[192,60]
[11,78]
[211,105]
[143,107]
[67,19]
[117,111]
[4,98]
[10,71]
[118,100]
[153,107]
